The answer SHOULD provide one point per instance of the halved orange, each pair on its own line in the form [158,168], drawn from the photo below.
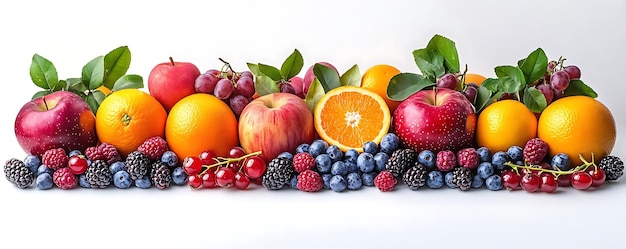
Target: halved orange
[349,116]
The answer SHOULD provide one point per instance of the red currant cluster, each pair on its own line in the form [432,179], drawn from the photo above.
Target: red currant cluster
[237,169]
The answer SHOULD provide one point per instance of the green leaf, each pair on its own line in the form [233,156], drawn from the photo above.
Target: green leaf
[534,100]
[578,87]
[254,68]
[316,92]
[128,81]
[265,85]
[491,84]
[43,73]
[75,85]
[60,86]
[116,63]
[40,94]
[447,49]
[94,99]
[483,98]
[430,63]
[270,71]
[292,65]
[534,66]
[403,85]
[327,76]
[352,77]
[520,62]
[511,78]
[93,73]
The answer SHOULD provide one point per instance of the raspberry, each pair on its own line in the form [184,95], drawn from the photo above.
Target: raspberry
[303,161]
[55,158]
[154,147]
[64,178]
[535,150]
[310,181]
[93,154]
[468,158]
[111,154]
[385,181]
[446,160]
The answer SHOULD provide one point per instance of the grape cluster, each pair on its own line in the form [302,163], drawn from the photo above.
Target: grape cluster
[238,169]
[234,88]
[555,81]
[453,82]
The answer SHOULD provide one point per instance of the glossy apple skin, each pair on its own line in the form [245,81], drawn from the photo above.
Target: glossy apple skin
[67,123]
[309,76]
[170,82]
[275,123]
[436,120]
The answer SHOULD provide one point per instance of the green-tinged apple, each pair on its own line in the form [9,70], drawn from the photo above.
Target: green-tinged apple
[437,119]
[171,81]
[275,123]
[309,76]
[58,120]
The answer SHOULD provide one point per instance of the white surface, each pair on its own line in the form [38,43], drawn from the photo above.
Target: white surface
[488,33]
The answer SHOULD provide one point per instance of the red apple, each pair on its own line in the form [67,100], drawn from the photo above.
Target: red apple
[58,120]
[297,82]
[171,81]
[309,76]
[275,123]
[435,120]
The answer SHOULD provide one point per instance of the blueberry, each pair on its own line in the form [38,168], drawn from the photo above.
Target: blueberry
[88,162]
[82,181]
[498,160]
[286,155]
[326,178]
[323,163]
[477,182]
[494,182]
[449,176]
[351,155]
[352,167]
[293,183]
[338,183]
[143,182]
[354,181]
[318,147]
[339,168]
[520,163]
[117,166]
[484,155]
[334,152]
[484,170]
[121,179]
[434,179]
[179,177]
[44,181]
[32,162]
[368,178]
[516,153]
[380,159]
[389,143]
[170,158]
[370,147]
[44,169]
[561,161]
[74,153]
[302,148]
[427,158]
[366,162]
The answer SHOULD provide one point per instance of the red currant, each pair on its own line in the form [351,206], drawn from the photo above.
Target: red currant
[564,181]
[224,177]
[525,171]
[598,176]
[192,165]
[549,183]
[234,166]
[257,181]
[208,179]
[545,165]
[511,180]
[581,180]
[207,157]
[77,164]
[530,182]
[236,152]
[194,181]
[254,167]
[241,181]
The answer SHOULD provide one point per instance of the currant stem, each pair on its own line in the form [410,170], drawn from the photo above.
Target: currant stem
[226,161]
[556,172]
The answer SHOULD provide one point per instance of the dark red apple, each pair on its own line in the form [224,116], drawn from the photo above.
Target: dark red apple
[58,120]
[171,81]
[309,76]
[435,120]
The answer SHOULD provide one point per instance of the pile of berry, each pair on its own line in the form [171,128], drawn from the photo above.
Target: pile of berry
[234,88]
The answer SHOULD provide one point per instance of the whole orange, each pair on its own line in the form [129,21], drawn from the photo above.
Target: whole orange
[476,78]
[504,124]
[126,118]
[578,125]
[201,122]
[376,79]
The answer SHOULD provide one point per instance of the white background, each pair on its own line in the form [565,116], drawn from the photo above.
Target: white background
[590,34]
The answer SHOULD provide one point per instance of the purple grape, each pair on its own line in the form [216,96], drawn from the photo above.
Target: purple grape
[507,96]
[557,95]
[573,72]
[214,72]
[223,89]
[237,103]
[547,91]
[286,88]
[472,84]
[245,86]
[247,74]
[205,83]
[448,81]
[560,80]
[470,92]
[551,66]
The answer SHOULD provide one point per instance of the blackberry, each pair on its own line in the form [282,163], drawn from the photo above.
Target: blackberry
[161,175]
[415,176]
[462,177]
[400,161]
[137,164]
[613,167]
[98,174]
[18,173]
[278,173]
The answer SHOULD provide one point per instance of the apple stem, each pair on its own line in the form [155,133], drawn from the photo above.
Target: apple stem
[171,60]
[45,103]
